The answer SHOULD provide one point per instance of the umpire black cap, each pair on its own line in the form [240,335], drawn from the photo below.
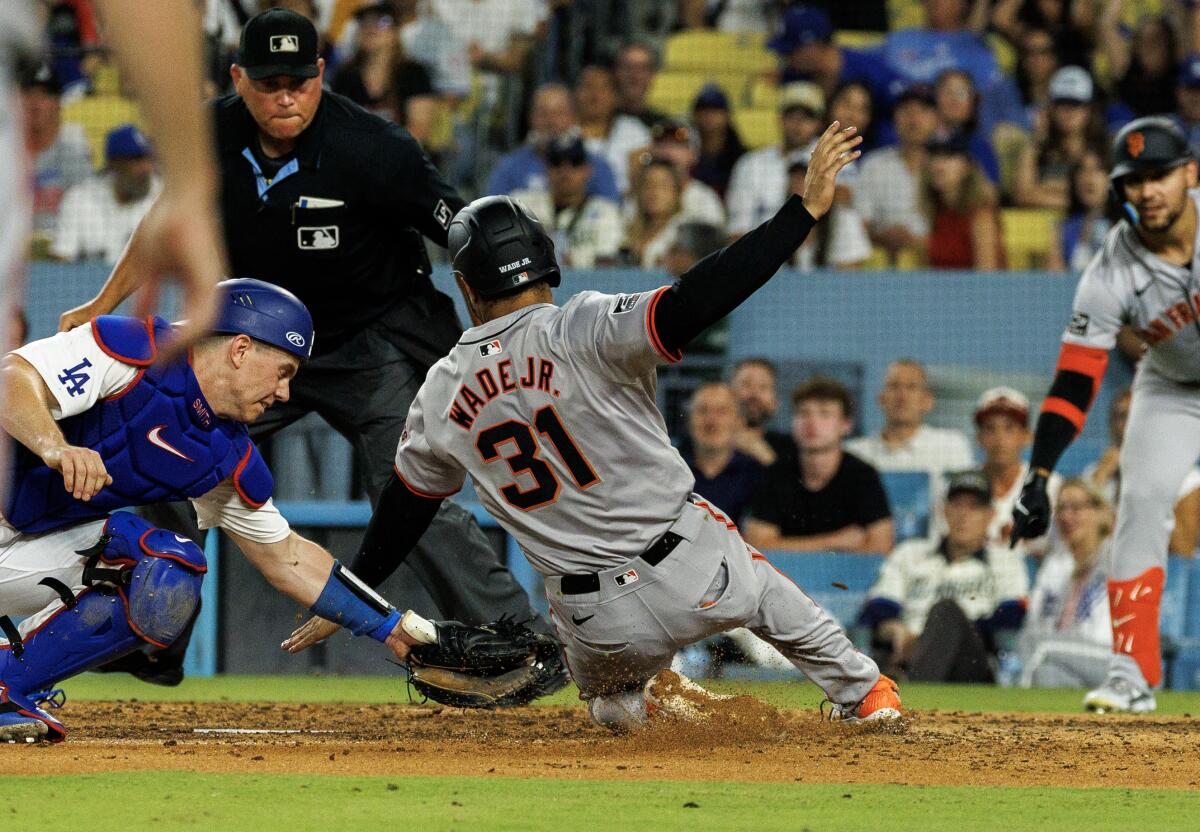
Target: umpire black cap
[500,248]
[279,42]
[1150,143]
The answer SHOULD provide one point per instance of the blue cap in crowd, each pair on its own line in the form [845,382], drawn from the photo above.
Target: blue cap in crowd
[126,142]
[711,96]
[1189,71]
[802,25]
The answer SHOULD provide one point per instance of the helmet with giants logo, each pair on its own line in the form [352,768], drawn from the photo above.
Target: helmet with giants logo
[1150,143]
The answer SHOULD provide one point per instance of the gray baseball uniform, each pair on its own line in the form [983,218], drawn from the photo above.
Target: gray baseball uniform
[552,413]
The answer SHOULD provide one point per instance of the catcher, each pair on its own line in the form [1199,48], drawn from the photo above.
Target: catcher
[552,413]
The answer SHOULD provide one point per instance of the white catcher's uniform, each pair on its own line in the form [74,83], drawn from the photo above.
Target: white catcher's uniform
[552,413]
[1125,283]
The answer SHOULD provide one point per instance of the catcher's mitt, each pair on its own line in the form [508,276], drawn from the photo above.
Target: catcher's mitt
[500,664]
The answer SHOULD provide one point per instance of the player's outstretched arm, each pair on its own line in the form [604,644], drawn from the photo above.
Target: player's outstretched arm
[158,48]
[719,283]
[309,575]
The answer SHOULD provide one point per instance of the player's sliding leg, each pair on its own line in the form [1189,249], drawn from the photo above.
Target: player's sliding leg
[1162,441]
[137,585]
[818,646]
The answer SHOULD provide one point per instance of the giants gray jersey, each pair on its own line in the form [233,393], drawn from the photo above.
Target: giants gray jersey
[552,413]
[1125,283]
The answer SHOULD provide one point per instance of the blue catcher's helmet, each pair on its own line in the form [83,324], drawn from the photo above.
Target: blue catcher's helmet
[266,313]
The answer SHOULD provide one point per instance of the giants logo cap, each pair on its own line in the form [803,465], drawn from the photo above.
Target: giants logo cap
[278,42]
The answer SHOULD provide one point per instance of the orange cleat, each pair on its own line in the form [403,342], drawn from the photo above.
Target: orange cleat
[882,703]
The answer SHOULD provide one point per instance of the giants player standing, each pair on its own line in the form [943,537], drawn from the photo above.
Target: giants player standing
[1146,276]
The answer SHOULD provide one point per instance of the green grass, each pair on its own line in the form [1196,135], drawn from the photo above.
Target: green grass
[391,689]
[230,803]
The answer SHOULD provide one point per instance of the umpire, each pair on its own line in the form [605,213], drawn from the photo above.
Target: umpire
[327,200]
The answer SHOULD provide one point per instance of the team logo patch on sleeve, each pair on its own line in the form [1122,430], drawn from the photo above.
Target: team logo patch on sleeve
[74,378]
[625,303]
[442,213]
[491,348]
[1079,324]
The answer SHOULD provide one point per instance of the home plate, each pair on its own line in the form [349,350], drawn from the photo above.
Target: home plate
[259,731]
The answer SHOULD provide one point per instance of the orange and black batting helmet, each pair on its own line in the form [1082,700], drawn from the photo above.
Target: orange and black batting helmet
[1150,143]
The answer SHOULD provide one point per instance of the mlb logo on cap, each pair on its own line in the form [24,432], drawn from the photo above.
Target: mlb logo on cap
[490,348]
[629,576]
[285,43]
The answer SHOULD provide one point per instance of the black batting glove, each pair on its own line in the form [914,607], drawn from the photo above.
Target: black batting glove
[1031,514]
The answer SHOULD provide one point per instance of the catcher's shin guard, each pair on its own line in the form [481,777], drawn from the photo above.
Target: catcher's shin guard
[1134,606]
[145,585]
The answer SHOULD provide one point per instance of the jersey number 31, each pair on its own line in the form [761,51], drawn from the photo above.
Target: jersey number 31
[526,457]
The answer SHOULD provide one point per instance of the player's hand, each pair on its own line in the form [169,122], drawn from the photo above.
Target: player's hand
[82,469]
[1031,514]
[834,150]
[178,240]
[80,315]
[312,631]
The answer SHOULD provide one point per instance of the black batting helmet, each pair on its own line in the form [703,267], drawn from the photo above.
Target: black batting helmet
[1149,143]
[499,247]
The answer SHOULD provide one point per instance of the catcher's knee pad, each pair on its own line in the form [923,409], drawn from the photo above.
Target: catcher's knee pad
[144,584]
[622,711]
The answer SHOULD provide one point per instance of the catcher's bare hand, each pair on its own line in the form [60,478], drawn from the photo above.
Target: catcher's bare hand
[82,469]
[312,631]
[834,150]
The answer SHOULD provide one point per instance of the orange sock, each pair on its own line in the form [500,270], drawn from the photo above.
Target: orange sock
[1134,607]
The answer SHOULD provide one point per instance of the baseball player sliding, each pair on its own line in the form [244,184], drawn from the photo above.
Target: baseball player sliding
[101,426]
[551,411]
[1145,275]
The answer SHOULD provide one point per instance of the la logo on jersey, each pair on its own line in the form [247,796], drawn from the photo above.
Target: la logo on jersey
[73,378]
[629,576]
[491,348]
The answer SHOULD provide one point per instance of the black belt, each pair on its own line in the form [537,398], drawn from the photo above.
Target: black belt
[590,582]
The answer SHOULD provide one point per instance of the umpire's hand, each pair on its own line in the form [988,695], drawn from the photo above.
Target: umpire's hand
[834,150]
[1031,514]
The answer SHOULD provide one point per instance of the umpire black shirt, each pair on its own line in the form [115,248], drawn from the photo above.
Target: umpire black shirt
[339,222]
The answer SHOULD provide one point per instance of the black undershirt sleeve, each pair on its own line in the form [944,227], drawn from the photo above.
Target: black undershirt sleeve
[399,520]
[1054,432]
[715,286]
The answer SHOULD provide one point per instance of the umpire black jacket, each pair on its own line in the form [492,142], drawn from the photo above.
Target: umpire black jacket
[340,224]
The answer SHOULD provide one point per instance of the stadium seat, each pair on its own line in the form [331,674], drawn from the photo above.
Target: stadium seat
[674,91]
[764,94]
[856,39]
[98,114]
[758,128]
[1028,235]
[709,51]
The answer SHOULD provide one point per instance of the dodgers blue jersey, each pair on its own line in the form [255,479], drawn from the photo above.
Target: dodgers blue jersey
[158,437]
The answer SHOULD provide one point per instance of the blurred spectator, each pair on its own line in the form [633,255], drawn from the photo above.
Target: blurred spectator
[840,241]
[60,151]
[853,104]
[1073,127]
[937,605]
[586,229]
[887,189]
[1071,25]
[99,215]
[429,41]
[1091,212]
[1187,99]
[808,53]
[720,145]
[754,382]
[693,242]
[725,15]
[952,39]
[1002,431]
[821,497]
[961,208]
[380,77]
[1145,65]
[657,214]
[674,141]
[73,38]
[759,184]
[1037,61]
[606,132]
[1105,474]
[1066,641]
[957,110]
[905,442]
[498,33]
[551,115]
[725,476]
[636,66]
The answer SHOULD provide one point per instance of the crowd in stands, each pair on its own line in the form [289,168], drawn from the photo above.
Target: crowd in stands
[986,122]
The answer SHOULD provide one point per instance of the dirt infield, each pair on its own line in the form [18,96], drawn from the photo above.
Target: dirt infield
[932,748]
